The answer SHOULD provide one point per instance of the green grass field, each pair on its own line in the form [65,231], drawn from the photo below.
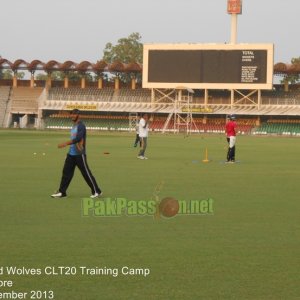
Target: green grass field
[249,248]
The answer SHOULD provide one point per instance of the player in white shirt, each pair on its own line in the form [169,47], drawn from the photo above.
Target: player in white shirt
[137,136]
[143,134]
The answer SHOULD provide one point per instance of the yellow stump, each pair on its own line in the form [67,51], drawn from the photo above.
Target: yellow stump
[206,160]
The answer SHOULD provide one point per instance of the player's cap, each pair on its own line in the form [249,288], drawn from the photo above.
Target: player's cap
[231,117]
[75,111]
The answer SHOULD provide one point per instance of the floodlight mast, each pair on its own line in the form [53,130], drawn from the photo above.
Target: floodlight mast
[233,36]
[234,7]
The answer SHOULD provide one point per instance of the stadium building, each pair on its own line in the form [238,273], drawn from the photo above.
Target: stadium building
[112,105]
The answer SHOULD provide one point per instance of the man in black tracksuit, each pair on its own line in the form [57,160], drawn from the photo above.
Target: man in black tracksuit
[76,157]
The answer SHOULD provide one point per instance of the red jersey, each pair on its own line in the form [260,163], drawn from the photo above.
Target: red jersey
[230,128]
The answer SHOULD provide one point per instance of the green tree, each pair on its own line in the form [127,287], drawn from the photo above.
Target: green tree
[76,76]
[59,76]
[294,78]
[41,76]
[127,50]
[20,75]
[8,74]
[55,75]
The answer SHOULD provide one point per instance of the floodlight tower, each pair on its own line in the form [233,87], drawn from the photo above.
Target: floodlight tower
[234,7]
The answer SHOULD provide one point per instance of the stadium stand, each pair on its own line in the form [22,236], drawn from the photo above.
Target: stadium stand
[217,125]
[79,94]
[25,100]
[129,95]
[108,108]
[35,102]
[121,122]
[96,122]
[282,127]
[219,97]
[4,98]
[198,96]
[279,97]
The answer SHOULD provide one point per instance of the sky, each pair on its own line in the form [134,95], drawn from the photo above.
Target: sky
[78,30]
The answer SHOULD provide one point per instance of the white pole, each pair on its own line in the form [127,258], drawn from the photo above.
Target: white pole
[233,38]
[233,41]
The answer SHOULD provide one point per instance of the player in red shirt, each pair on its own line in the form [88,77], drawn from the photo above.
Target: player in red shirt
[231,138]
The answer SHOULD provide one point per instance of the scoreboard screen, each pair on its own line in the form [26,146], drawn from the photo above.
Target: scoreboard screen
[241,66]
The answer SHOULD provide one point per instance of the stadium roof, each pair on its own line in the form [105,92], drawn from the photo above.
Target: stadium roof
[84,66]
[102,66]
[289,69]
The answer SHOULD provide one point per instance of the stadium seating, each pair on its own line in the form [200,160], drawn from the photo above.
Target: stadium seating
[129,95]
[282,127]
[219,97]
[275,97]
[213,125]
[79,94]
[4,97]
[97,122]
[104,95]
[25,100]
[117,104]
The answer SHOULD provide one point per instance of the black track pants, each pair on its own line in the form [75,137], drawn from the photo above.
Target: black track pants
[68,171]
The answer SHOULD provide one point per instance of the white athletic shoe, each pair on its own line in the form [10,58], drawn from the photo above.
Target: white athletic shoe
[58,195]
[96,195]
[145,157]
[140,157]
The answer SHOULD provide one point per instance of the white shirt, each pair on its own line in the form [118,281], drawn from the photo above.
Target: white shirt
[137,126]
[143,131]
